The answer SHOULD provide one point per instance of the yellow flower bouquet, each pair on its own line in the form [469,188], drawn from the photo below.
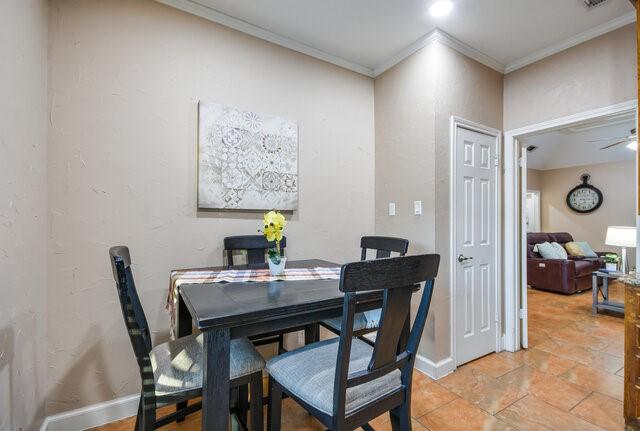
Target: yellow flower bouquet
[274,223]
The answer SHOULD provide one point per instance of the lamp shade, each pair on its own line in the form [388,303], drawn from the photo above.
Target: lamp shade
[621,236]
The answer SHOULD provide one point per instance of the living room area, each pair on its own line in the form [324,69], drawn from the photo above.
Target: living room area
[580,208]
[579,217]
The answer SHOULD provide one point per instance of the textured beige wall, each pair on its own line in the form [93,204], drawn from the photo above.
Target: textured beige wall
[594,74]
[534,179]
[618,207]
[414,103]
[23,202]
[125,80]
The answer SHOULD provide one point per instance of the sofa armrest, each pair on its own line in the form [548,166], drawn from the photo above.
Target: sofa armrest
[552,274]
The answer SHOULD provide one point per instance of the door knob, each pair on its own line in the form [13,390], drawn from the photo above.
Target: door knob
[462,258]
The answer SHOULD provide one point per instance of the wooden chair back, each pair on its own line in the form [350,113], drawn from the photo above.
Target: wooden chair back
[383,245]
[398,277]
[256,247]
[134,317]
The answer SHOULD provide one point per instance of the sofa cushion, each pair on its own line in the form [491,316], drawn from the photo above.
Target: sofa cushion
[534,238]
[573,249]
[562,253]
[548,251]
[587,251]
[586,267]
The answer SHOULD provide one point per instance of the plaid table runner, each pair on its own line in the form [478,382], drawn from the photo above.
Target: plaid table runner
[181,277]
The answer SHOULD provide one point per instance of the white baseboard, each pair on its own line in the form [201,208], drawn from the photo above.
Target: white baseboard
[121,408]
[435,370]
[93,415]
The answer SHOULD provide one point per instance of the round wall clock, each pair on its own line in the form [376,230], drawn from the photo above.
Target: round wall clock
[584,198]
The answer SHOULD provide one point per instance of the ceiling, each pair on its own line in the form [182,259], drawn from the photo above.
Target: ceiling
[371,35]
[569,146]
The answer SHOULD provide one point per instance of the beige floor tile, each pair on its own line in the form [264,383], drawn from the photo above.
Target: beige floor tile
[596,380]
[496,365]
[429,396]
[533,414]
[481,389]
[551,389]
[583,355]
[604,411]
[547,362]
[460,415]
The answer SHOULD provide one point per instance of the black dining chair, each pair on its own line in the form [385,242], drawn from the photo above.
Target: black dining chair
[255,246]
[344,382]
[367,322]
[171,372]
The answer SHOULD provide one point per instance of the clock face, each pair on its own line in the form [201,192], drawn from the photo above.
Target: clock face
[584,199]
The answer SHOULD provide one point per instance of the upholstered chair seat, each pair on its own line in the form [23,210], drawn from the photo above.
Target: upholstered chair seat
[308,373]
[367,320]
[177,365]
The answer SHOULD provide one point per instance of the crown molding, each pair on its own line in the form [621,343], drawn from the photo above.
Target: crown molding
[592,33]
[198,9]
[445,39]
[203,11]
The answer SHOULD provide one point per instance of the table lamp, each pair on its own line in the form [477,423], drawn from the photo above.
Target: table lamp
[621,236]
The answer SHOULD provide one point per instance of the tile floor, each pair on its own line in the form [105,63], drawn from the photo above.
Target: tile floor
[570,379]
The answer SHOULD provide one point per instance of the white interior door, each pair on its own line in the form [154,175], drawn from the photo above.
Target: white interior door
[475,244]
[533,211]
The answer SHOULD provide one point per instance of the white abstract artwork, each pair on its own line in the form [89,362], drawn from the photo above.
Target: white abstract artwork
[247,161]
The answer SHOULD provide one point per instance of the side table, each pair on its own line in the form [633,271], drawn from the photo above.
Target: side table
[605,304]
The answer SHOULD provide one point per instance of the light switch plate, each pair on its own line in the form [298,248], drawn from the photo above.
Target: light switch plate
[392,208]
[417,207]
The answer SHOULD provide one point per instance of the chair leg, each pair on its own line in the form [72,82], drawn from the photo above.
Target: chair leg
[274,411]
[281,349]
[243,404]
[256,402]
[139,415]
[180,406]
[401,417]
[148,416]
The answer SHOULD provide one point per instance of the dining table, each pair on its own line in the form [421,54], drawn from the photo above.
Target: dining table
[229,310]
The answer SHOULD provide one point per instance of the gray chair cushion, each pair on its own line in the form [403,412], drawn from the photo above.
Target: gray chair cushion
[365,320]
[308,373]
[177,365]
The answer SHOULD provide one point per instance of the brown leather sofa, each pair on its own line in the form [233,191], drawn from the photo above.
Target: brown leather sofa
[559,275]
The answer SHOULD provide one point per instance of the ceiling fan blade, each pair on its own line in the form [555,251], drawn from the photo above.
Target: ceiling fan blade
[613,145]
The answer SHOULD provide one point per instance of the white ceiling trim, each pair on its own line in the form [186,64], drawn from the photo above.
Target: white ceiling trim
[445,39]
[592,33]
[195,8]
[202,11]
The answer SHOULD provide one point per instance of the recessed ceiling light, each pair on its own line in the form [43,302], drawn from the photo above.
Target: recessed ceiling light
[633,145]
[440,8]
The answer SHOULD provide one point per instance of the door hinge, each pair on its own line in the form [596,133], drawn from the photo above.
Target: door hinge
[523,313]
[521,162]
[496,161]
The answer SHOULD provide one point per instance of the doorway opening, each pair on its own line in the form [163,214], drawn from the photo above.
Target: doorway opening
[581,170]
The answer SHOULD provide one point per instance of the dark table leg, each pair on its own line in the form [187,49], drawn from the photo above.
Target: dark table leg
[215,380]
[183,319]
[312,333]
[183,328]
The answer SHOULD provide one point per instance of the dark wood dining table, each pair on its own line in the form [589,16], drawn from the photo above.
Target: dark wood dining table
[224,311]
